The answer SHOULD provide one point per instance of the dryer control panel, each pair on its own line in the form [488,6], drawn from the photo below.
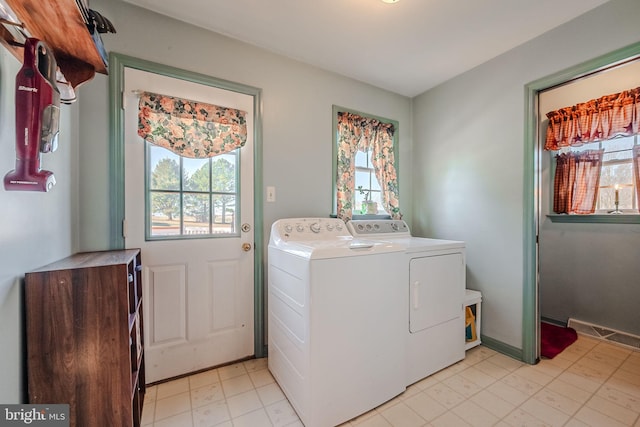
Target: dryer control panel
[309,229]
[377,227]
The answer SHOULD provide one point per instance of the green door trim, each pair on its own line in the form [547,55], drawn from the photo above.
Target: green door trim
[117,64]
[531,315]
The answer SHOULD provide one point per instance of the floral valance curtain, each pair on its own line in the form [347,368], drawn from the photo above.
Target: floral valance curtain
[596,120]
[190,128]
[363,133]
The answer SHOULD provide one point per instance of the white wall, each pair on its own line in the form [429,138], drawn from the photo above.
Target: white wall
[469,155]
[297,113]
[35,228]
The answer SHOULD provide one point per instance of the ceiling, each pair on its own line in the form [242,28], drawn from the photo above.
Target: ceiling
[407,47]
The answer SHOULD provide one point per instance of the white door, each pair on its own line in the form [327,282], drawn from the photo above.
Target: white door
[197,247]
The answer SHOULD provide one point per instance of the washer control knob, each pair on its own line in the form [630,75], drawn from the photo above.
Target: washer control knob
[300,228]
[315,227]
[339,226]
[368,227]
[288,228]
[329,227]
[394,226]
[360,227]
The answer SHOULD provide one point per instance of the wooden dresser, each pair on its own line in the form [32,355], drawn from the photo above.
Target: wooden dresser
[85,337]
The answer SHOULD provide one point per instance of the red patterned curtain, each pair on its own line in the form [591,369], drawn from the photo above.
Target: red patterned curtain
[596,120]
[636,171]
[576,182]
[190,128]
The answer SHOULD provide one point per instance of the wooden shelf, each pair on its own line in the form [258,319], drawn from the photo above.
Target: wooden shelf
[60,25]
[81,349]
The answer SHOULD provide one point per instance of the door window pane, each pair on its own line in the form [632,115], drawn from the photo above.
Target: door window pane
[191,198]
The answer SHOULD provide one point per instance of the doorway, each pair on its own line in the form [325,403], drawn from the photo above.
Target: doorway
[533,188]
[192,297]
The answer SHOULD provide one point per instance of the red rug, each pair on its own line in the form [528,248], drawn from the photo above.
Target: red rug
[554,339]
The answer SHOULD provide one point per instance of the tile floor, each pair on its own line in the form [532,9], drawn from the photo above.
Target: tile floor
[592,383]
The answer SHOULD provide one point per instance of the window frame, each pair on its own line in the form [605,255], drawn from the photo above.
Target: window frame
[182,191]
[334,155]
[601,215]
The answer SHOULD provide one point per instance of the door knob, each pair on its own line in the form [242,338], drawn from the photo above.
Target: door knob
[246,247]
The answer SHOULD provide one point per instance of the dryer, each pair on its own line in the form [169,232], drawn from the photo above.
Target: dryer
[435,287]
[336,319]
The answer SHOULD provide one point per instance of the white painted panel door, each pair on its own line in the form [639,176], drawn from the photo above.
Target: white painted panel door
[198,291]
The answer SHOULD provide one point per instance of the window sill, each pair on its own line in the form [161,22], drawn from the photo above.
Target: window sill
[629,218]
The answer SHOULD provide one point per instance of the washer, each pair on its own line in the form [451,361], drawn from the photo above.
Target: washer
[336,319]
[435,285]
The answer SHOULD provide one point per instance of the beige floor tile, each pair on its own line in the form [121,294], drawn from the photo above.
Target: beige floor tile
[426,406]
[475,414]
[462,385]
[375,420]
[253,419]
[594,418]
[172,388]
[172,405]
[445,395]
[181,420]
[206,395]
[557,401]
[508,393]
[578,380]
[270,394]
[493,403]
[598,383]
[569,390]
[619,397]
[401,415]
[520,418]
[148,412]
[492,369]
[281,413]
[550,415]
[237,385]
[243,403]
[204,378]
[505,362]
[610,409]
[231,371]
[477,377]
[449,419]
[261,377]
[522,384]
[253,365]
[211,414]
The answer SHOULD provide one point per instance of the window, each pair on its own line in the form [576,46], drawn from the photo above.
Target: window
[616,173]
[368,197]
[190,198]
[365,180]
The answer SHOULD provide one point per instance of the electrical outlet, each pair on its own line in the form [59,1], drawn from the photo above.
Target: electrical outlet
[271,194]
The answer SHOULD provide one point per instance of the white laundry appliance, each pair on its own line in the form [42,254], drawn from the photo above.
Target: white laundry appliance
[336,319]
[435,286]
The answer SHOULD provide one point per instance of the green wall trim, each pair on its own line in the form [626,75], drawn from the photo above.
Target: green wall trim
[597,218]
[531,205]
[117,64]
[501,347]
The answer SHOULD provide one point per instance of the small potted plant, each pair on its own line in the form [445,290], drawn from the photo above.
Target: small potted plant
[369,207]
